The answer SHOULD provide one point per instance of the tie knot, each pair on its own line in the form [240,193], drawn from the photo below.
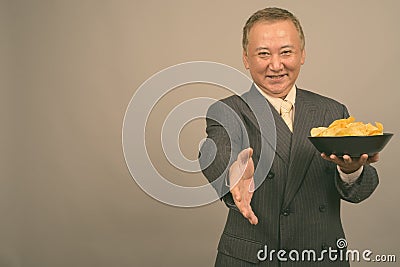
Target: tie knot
[286,106]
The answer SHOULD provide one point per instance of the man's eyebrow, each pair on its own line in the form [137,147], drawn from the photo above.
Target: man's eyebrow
[287,46]
[266,48]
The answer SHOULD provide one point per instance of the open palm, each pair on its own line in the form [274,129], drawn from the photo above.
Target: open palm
[241,178]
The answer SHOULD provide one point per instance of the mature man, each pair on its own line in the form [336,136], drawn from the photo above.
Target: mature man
[296,206]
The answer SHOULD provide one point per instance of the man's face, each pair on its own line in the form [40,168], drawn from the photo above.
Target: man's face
[274,56]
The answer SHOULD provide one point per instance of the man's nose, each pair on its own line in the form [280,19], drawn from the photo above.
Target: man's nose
[275,63]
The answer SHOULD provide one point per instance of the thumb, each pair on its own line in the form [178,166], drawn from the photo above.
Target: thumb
[245,155]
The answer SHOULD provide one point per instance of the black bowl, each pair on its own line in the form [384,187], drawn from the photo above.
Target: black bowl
[353,146]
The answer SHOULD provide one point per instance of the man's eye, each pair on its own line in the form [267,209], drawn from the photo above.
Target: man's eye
[263,54]
[286,52]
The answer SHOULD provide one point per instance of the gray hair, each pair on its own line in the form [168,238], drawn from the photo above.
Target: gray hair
[271,14]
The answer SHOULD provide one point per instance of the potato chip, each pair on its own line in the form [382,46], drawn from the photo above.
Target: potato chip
[317,131]
[342,122]
[348,127]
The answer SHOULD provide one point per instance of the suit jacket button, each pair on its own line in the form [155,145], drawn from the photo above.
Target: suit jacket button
[286,212]
[270,175]
[322,208]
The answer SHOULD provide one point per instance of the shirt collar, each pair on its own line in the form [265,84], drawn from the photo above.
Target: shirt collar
[276,101]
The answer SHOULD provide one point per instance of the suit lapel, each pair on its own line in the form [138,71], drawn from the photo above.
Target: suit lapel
[295,150]
[278,137]
[283,137]
[302,151]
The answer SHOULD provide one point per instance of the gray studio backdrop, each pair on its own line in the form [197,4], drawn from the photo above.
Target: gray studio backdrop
[68,72]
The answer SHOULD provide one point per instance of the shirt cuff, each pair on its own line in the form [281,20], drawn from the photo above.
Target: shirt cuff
[350,178]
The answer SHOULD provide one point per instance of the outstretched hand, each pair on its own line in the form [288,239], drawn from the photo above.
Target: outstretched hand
[241,180]
[348,164]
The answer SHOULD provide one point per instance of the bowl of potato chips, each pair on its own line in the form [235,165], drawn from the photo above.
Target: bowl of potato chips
[348,137]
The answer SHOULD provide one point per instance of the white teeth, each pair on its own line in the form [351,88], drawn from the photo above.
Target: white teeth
[276,76]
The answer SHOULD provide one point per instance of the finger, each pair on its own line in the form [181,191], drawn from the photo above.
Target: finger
[248,213]
[246,204]
[335,159]
[347,159]
[325,157]
[374,158]
[363,159]
[243,160]
[252,185]
[250,152]
[247,198]
[244,155]
[236,194]
[251,216]
[253,219]
[235,173]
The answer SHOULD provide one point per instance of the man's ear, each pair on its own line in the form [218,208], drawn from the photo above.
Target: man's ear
[303,56]
[245,59]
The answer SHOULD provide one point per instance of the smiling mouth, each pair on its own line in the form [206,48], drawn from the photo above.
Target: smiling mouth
[276,77]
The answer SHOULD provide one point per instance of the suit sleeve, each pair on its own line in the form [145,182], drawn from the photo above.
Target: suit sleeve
[364,186]
[220,150]
[361,189]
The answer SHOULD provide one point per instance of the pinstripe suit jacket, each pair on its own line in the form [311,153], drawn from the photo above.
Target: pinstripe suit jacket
[298,203]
